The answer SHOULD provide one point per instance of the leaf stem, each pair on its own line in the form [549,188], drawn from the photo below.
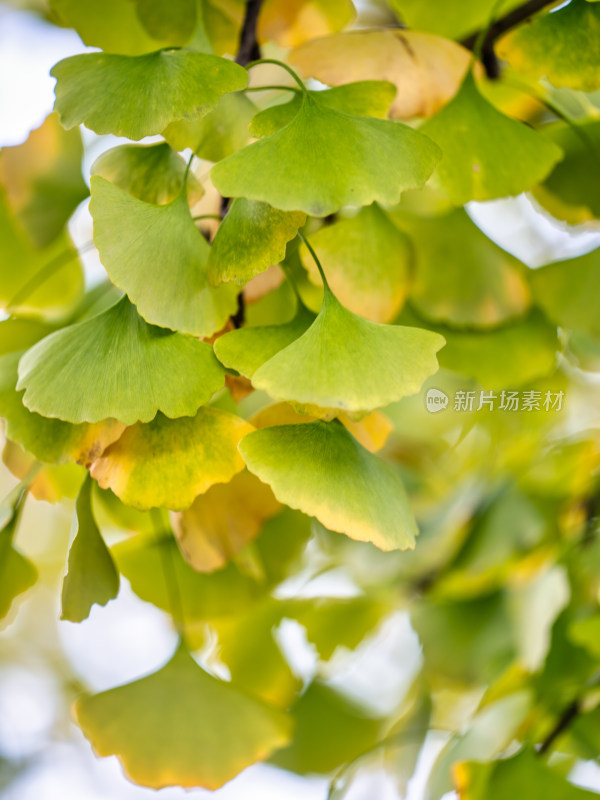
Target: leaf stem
[273,88]
[279,64]
[207,216]
[316,260]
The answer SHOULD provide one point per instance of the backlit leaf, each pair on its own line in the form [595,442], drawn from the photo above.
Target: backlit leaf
[137,96]
[222,521]
[173,22]
[180,726]
[17,573]
[43,180]
[441,17]
[486,154]
[168,462]
[324,159]
[425,69]
[251,238]
[561,46]
[290,22]
[158,256]
[322,470]
[92,576]
[116,365]
[366,260]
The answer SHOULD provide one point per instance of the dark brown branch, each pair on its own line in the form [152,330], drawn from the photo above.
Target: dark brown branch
[500,27]
[248,49]
[565,720]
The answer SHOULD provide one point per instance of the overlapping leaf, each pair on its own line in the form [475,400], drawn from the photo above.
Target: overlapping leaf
[92,576]
[324,159]
[180,726]
[168,462]
[116,365]
[158,256]
[366,260]
[486,154]
[17,573]
[425,69]
[137,96]
[322,470]
[290,22]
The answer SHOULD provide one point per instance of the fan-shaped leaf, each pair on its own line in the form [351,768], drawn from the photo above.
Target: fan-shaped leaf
[366,260]
[168,462]
[348,363]
[425,69]
[324,159]
[486,154]
[180,726]
[322,470]
[137,96]
[290,22]
[444,19]
[17,573]
[251,238]
[116,365]
[92,576]
[151,172]
[562,46]
[158,256]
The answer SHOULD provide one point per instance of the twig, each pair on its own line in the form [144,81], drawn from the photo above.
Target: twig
[248,49]
[565,720]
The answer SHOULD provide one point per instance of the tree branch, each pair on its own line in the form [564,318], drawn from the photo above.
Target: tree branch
[565,720]
[248,49]
[498,28]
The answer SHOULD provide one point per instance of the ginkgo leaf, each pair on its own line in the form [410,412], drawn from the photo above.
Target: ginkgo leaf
[346,362]
[112,25]
[174,22]
[18,334]
[116,365]
[217,135]
[246,349]
[426,69]
[461,277]
[251,238]
[222,521]
[151,172]
[371,431]
[324,159]
[443,19]
[486,154]
[180,726]
[570,192]
[561,47]
[320,469]
[366,260]
[36,282]
[50,440]
[92,576]
[137,96]
[290,22]
[523,772]
[168,462]
[43,180]
[17,573]
[52,482]
[363,99]
[158,256]
[569,292]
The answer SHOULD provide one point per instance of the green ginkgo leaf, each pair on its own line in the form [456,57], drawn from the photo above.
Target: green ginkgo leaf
[18,334]
[151,172]
[320,469]
[562,46]
[324,159]
[246,349]
[92,576]
[158,256]
[137,96]
[569,292]
[181,726]
[252,236]
[486,154]
[461,277]
[346,362]
[173,22]
[49,440]
[363,98]
[35,282]
[17,573]
[217,135]
[366,260]
[116,365]
[169,462]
